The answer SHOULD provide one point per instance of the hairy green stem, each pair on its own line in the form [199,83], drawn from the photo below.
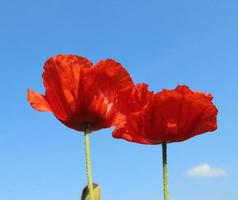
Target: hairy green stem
[88,161]
[165,171]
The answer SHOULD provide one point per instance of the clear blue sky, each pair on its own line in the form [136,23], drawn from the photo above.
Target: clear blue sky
[163,43]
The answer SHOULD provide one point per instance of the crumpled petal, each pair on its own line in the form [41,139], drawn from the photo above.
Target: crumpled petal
[183,113]
[139,100]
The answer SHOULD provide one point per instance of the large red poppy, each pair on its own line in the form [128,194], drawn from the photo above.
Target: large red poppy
[78,93]
[171,116]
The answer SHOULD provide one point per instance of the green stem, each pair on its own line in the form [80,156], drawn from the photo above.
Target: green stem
[88,162]
[165,171]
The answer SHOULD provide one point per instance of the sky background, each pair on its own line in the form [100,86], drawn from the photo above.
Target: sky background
[162,43]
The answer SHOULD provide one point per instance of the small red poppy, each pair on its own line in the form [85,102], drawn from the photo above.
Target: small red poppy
[172,116]
[78,93]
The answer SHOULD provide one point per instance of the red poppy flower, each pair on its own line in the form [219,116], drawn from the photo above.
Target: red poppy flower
[172,116]
[78,93]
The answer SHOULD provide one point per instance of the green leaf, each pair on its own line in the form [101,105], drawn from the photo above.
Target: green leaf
[96,192]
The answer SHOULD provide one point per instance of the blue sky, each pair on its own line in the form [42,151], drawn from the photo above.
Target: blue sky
[163,43]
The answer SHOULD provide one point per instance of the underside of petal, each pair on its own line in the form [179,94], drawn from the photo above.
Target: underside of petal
[139,98]
[133,128]
[183,113]
[63,80]
[111,74]
[113,81]
[38,101]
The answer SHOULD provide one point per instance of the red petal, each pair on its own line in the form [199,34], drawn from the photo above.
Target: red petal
[63,79]
[130,125]
[110,74]
[113,83]
[181,114]
[139,98]
[38,101]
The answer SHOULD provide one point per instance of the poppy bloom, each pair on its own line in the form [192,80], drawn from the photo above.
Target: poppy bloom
[171,116]
[80,94]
